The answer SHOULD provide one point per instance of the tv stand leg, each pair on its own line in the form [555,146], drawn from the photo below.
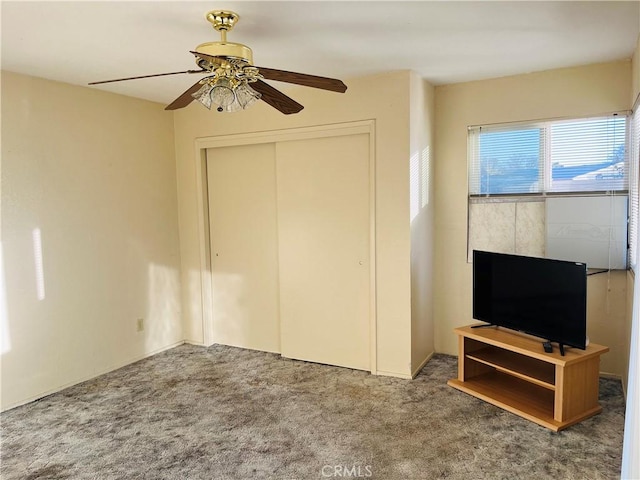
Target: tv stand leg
[484,325]
[561,349]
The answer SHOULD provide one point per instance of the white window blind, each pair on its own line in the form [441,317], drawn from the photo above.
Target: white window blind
[559,156]
[634,161]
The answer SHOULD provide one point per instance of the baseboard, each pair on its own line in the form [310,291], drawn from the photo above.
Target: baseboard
[422,364]
[404,375]
[111,368]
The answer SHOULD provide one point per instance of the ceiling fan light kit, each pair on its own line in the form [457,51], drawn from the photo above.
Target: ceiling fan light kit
[228,97]
[233,83]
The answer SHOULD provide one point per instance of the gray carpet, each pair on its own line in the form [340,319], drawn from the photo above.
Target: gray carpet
[229,413]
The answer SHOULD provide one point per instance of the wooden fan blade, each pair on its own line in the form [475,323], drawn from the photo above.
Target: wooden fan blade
[184,99]
[314,81]
[147,76]
[276,98]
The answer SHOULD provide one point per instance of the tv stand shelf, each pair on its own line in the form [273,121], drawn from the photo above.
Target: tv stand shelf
[512,371]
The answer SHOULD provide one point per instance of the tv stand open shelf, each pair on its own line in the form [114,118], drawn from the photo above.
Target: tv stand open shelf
[512,371]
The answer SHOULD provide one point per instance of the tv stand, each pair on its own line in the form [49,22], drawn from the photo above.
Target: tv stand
[507,369]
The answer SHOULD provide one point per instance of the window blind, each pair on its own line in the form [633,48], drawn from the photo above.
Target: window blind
[634,161]
[559,156]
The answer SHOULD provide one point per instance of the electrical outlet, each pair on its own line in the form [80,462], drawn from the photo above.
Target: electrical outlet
[140,324]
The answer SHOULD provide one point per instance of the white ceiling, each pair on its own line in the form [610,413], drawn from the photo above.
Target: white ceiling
[444,41]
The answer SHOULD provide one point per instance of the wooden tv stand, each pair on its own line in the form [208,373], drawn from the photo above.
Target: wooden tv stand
[512,371]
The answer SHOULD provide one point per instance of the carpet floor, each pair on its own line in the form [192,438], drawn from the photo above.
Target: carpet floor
[229,413]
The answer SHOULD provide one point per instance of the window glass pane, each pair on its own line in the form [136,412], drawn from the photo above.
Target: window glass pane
[588,155]
[510,161]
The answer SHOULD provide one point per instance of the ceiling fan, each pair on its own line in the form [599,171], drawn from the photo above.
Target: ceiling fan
[232,82]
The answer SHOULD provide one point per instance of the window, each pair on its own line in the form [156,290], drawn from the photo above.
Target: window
[634,160]
[560,156]
[553,188]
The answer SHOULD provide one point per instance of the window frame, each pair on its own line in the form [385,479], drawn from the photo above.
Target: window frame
[631,183]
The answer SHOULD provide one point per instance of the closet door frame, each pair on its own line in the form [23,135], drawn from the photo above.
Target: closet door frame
[275,136]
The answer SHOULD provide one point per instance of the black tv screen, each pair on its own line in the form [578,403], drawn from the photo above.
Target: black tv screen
[539,296]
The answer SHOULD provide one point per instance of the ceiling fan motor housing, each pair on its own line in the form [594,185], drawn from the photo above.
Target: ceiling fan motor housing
[226,50]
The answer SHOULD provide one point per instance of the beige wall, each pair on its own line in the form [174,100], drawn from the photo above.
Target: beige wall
[89,234]
[635,73]
[383,98]
[607,319]
[565,92]
[422,211]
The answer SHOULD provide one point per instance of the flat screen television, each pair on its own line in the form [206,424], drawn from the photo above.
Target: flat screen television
[539,296]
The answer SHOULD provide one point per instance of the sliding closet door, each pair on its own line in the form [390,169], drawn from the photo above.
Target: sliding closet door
[323,230]
[244,248]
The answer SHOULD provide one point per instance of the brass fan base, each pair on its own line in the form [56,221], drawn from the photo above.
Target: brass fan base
[222,20]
